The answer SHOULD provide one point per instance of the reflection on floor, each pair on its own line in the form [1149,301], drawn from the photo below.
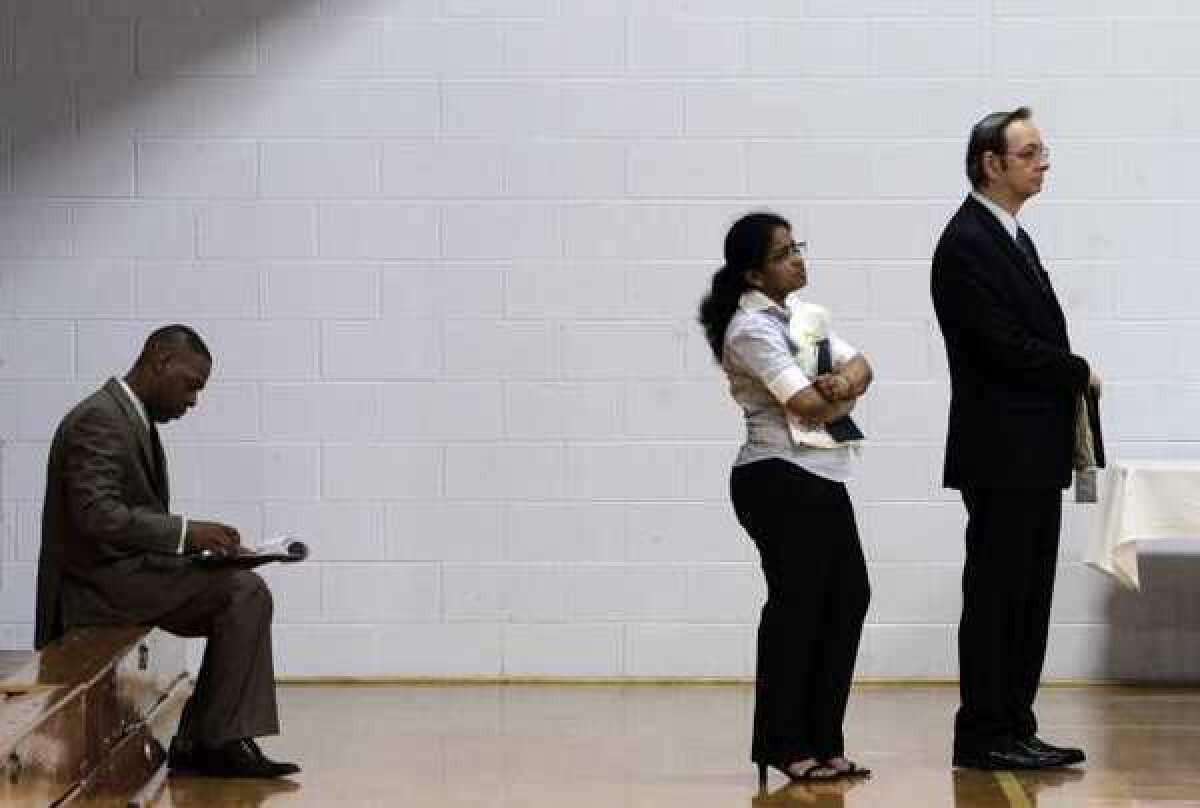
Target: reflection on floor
[643,746]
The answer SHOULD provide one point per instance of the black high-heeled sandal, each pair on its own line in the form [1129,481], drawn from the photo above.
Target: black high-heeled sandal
[852,769]
[809,775]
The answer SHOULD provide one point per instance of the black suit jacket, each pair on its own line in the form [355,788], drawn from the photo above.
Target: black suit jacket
[1014,381]
[109,543]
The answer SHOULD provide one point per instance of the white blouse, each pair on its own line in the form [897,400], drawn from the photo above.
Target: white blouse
[758,359]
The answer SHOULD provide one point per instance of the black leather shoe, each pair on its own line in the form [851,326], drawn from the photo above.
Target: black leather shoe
[240,758]
[1069,754]
[183,755]
[1002,758]
[1051,758]
[292,768]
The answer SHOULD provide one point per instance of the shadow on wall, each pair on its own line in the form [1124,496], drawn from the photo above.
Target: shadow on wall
[1153,635]
[86,82]
[118,119]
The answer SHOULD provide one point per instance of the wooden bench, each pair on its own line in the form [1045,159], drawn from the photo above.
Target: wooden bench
[86,718]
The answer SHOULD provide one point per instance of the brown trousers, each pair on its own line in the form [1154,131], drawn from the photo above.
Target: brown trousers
[235,689]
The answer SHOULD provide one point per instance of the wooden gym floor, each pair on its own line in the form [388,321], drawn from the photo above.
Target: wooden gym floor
[661,746]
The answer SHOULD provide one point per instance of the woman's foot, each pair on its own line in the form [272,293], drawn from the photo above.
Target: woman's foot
[805,770]
[809,770]
[846,767]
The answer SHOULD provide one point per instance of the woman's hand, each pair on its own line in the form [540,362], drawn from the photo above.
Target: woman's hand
[839,409]
[834,387]
[848,381]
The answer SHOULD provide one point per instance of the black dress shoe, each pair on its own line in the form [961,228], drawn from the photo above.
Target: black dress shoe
[183,755]
[1001,758]
[1051,758]
[240,758]
[292,768]
[1069,754]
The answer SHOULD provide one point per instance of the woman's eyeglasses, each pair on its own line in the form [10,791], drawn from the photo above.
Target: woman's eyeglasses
[797,249]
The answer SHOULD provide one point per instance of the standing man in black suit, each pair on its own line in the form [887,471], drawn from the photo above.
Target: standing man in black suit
[1014,387]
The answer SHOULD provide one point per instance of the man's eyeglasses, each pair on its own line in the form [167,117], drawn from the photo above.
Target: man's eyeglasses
[1039,154]
[797,249]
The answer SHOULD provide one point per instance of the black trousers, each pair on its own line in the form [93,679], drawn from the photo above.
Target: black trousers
[817,596]
[1008,583]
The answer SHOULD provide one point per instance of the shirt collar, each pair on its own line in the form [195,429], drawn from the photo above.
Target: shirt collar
[1007,219]
[753,300]
[137,402]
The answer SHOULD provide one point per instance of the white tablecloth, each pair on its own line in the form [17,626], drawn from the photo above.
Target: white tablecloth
[1144,501]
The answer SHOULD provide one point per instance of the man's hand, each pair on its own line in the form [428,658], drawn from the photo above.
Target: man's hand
[833,387]
[216,538]
[1094,381]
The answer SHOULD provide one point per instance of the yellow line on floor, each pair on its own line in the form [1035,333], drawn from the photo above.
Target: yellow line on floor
[1011,787]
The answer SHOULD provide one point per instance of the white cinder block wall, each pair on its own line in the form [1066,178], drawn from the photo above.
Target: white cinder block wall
[448,253]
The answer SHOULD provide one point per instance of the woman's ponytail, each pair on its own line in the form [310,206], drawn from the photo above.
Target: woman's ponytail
[746,247]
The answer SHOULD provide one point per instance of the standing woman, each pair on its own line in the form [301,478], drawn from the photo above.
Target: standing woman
[791,498]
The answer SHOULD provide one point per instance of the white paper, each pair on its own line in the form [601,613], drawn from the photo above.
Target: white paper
[275,545]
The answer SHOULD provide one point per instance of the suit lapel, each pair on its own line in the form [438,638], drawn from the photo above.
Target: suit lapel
[154,472]
[1016,258]
[1045,287]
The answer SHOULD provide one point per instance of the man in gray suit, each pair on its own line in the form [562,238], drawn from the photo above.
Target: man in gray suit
[113,553]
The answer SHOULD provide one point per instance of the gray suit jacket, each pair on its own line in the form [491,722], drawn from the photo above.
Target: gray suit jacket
[109,543]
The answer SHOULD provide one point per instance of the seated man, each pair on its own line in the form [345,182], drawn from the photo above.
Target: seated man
[112,553]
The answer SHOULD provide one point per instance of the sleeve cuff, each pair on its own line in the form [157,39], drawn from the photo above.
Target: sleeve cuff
[842,351]
[791,381]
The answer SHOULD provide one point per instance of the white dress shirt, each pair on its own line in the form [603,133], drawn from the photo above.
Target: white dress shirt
[1011,225]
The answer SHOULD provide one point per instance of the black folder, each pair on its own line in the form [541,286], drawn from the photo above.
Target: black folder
[1093,416]
[1088,449]
[843,429]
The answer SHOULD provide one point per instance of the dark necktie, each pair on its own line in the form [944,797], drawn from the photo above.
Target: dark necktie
[1025,245]
[160,464]
[844,428]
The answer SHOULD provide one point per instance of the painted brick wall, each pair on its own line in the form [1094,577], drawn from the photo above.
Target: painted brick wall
[447,253]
